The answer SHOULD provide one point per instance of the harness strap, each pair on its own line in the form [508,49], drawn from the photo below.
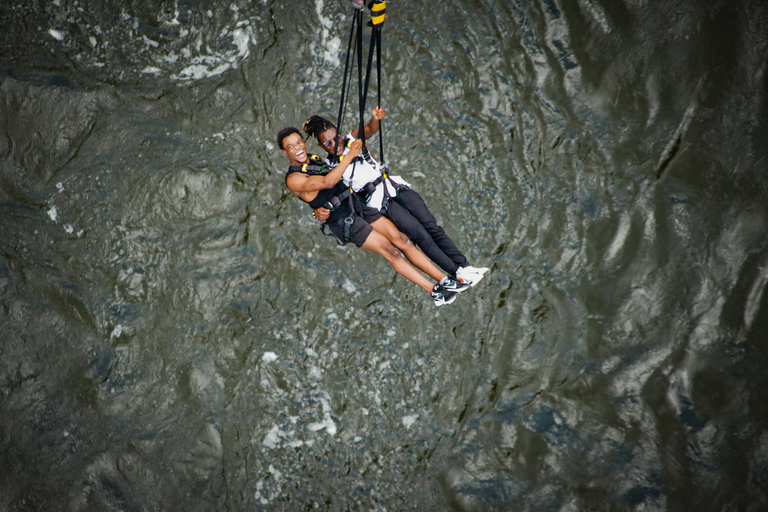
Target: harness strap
[368,189]
[307,168]
[348,221]
[345,237]
[335,201]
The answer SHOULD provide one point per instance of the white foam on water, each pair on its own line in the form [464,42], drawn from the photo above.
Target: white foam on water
[59,35]
[272,439]
[327,423]
[348,286]
[408,421]
[331,44]
[204,66]
[116,332]
[150,42]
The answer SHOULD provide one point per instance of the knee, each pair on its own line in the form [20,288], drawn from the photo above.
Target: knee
[399,239]
[390,253]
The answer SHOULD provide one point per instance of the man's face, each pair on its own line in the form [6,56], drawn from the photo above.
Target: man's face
[326,141]
[294,149]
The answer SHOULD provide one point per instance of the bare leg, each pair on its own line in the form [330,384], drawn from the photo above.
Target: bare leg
[384,226]
[378,243]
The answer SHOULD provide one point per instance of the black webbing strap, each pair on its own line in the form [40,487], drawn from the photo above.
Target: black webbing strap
[367,190]
[357,20]
[378,8]
[335,201]
[307,168]
[378,92]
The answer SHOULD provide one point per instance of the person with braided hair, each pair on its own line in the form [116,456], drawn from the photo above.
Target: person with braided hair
[318,185]
[392,196]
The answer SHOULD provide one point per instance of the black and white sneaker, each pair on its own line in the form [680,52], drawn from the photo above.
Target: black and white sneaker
[442,296]
[453,285]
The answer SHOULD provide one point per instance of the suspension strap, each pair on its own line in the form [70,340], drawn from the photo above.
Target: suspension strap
[378,10]
[356,21]
[378,13]
[378,90]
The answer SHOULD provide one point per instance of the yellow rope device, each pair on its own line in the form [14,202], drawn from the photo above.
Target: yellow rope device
[378,11]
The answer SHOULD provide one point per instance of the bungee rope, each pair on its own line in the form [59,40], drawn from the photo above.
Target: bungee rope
[378,14]
[356,21]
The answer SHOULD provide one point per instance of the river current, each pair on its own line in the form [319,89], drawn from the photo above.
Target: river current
[177,334]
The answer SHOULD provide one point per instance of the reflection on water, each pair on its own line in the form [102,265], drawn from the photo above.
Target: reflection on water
[176,333]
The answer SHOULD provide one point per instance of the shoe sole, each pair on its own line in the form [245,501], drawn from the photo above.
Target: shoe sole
[445,301]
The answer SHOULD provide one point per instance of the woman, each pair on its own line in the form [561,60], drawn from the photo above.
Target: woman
[392,196]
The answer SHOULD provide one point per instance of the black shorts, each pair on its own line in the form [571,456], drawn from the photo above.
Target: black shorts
[371,214]
[360,228]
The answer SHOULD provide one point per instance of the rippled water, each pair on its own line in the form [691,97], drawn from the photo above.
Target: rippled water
[176,334]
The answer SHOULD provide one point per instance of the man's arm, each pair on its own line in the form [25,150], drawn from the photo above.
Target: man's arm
[306,187]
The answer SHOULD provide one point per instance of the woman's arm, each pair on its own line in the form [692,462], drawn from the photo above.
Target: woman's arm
[372,127]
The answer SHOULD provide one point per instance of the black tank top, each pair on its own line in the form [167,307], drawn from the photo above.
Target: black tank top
[325,195]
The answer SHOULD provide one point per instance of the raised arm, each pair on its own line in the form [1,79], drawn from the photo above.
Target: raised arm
[306,187]
[377,114]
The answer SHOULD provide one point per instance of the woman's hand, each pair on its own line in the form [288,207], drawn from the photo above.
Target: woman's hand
[355,148]
[378,113]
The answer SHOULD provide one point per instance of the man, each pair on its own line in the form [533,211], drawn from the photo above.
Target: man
[318,185]
[393,197]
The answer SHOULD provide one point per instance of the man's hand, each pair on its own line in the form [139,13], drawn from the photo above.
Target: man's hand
[378,113]
[321,213]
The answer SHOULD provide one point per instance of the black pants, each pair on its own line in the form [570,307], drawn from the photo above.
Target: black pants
[410,215]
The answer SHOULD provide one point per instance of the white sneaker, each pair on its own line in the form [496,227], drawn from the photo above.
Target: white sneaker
[476,270]
[471,277]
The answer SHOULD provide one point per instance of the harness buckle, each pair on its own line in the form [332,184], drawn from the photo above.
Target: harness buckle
[348,221]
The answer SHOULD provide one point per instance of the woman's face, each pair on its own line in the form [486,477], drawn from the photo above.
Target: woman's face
[326,142]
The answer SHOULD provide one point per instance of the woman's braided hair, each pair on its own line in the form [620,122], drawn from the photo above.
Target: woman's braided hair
[316,125]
